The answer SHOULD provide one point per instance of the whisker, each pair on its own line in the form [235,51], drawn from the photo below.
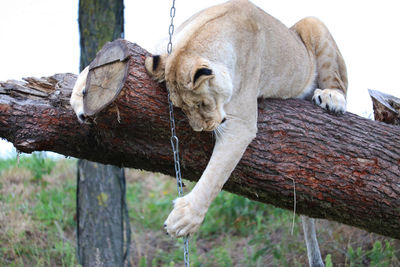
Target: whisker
[219,131]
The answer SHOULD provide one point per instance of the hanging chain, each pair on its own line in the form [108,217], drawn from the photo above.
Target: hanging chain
[171,27]
[174,138]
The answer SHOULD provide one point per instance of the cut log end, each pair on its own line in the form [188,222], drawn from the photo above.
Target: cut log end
[107,75]
[386,107]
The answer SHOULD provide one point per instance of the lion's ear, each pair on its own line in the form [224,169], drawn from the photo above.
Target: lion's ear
[201,75]
[155,66]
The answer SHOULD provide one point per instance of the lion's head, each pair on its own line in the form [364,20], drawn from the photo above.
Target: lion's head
[196,86]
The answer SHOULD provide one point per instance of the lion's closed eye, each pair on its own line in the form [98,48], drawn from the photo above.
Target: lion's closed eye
[208,104]
[205,105]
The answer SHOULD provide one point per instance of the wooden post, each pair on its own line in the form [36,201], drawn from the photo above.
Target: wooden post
[101,188]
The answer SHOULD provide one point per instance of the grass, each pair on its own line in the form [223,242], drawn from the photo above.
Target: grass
[37,205]
[37,225]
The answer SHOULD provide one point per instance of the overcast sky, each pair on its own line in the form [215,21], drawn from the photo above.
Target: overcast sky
[40,37]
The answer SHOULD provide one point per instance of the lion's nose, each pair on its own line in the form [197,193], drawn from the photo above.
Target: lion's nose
[197,127]
[210,125]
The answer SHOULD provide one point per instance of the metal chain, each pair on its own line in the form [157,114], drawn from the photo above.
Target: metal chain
[174,138]
[171,27]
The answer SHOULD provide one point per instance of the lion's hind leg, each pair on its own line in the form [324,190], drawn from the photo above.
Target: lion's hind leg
[330,66]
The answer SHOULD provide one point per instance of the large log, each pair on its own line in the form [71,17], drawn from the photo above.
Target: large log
[344,168]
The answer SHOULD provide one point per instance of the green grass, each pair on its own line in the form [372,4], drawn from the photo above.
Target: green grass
[37,225]
[36,213]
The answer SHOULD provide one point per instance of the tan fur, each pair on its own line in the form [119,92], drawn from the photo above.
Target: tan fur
[76,99]
[251,55]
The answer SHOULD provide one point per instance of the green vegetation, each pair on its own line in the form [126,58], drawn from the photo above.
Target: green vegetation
[37,207]
[37,225]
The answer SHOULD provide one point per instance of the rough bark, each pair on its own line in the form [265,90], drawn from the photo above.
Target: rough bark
[101,232]
[345,168]
[99,20]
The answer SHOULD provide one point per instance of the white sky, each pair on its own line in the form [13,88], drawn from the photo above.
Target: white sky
[40,37]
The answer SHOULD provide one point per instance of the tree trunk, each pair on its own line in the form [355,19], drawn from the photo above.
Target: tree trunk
[101,188]
[100,214]
[344,168]
[100,21]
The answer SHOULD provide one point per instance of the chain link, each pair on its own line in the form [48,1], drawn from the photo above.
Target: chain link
[174,138]
[171,27]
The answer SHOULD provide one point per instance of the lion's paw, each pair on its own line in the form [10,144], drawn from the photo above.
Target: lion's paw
[185,218]
[330,99]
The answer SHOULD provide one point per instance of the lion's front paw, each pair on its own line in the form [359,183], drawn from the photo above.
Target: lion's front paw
[331,99]
[185,218]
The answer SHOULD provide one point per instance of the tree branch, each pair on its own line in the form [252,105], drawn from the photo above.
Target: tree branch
[345,168]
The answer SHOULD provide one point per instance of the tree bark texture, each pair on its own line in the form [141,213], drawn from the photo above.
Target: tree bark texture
[100,188]
[344,168]
[100,21]
[101,232]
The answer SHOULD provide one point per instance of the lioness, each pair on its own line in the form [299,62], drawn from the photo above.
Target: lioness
[223,59]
